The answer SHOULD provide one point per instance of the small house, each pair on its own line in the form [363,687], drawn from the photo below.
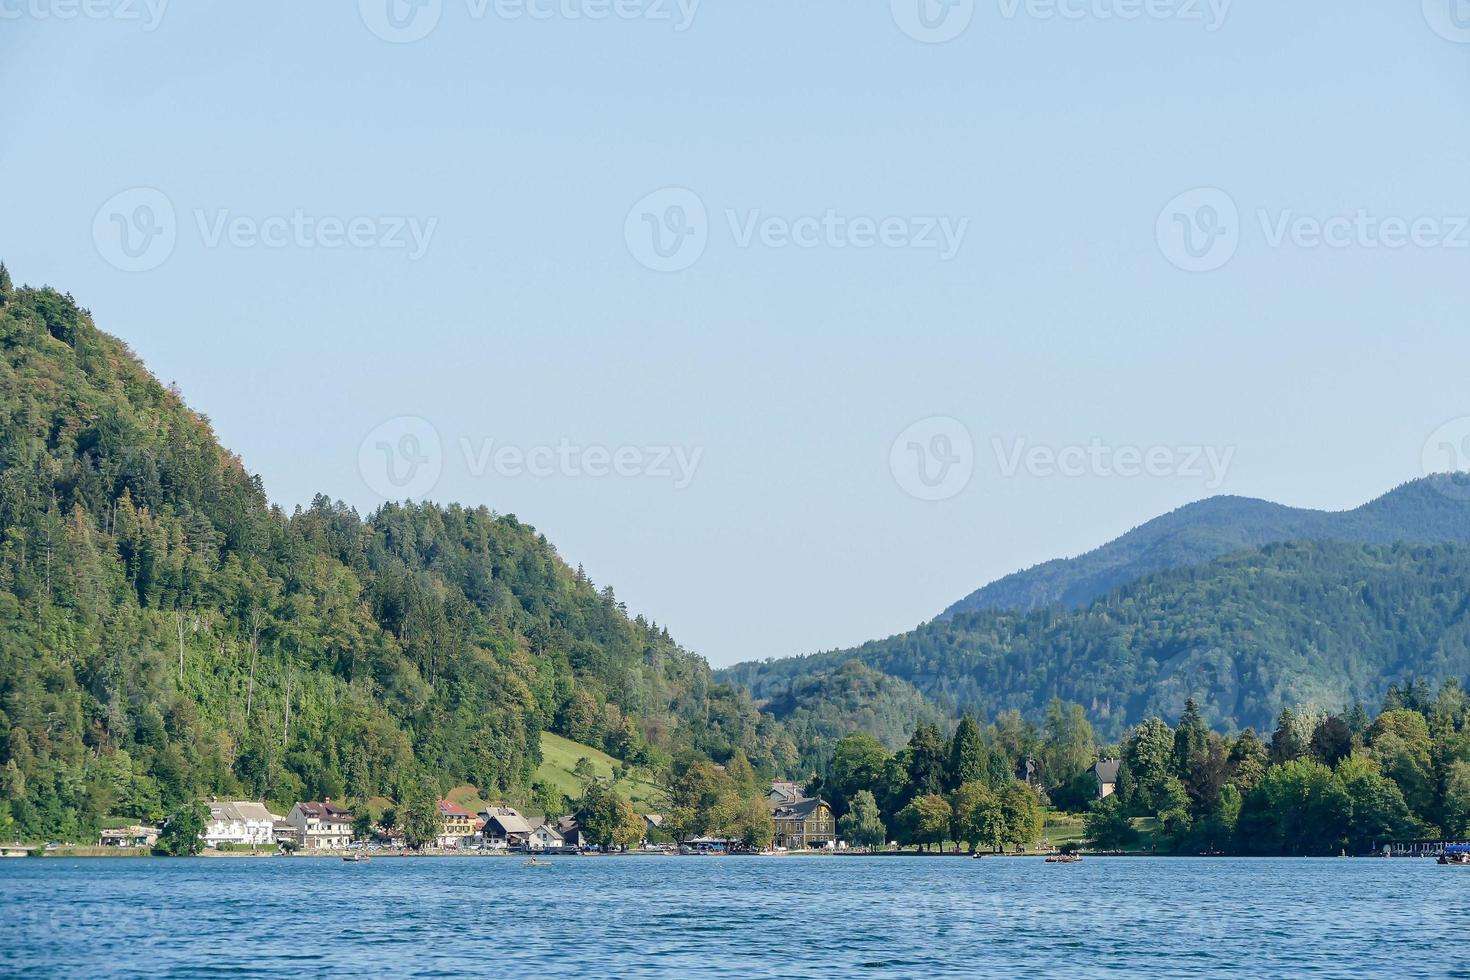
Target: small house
[545,838]
[1106,774]
[282,831]
[138,835]
[505,828]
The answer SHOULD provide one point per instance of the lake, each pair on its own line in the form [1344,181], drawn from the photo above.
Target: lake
[824,917]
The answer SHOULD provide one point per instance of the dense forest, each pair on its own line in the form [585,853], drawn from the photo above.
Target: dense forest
[1322,623]
[166,633]
[1418,512]
[819,709]
[1322,783]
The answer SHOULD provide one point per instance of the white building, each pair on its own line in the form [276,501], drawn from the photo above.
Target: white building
[239,822]
[545,838]
[321,826]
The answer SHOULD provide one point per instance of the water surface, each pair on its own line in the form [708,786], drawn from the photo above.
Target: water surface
[734,917]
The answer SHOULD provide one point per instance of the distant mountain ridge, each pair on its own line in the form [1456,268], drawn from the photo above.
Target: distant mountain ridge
[1323,623]
[1245,605]
[1433,510]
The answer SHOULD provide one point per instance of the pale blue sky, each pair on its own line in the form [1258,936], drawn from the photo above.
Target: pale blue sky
[788,373]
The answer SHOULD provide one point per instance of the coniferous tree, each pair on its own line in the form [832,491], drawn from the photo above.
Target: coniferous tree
[1332,741]
[967,754]
[927,761]
[1286,743]
[1191,738]
[1148,761]
[1248,761]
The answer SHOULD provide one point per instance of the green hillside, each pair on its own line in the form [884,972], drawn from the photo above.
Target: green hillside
[560,757]
[1319,623]
[166,633]
[818,709]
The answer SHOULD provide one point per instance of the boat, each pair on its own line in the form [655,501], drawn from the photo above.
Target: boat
[356,858]
[1456,854]
[533,863]
[1064,859]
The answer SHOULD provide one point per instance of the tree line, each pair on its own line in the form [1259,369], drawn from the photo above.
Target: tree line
[973,788]
[1323,783]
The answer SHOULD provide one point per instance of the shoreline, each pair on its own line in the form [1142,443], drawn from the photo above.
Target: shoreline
[106,853]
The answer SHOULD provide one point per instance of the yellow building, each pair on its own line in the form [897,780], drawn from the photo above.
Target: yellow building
[803,823]
[456,824]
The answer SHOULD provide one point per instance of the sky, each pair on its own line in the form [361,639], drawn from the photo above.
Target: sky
[793,322]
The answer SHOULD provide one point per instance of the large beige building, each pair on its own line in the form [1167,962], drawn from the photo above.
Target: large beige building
[801,821]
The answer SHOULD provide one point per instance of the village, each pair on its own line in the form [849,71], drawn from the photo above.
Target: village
[318,828]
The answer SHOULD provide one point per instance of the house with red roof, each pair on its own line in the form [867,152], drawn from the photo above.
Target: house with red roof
[456,824]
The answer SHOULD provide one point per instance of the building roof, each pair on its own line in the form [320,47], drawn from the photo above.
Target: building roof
[654,819]
[137,830]
[326,810]
[549,831]
[453,810]
[507,819]
[241,810]
[785,790]
[1106,771]
[797,809]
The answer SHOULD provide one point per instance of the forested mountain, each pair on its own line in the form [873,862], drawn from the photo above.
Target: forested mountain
[819,709]
[1417,512]
[1321,623]
[165,633]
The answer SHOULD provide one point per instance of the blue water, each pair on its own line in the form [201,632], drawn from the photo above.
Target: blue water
[733,917]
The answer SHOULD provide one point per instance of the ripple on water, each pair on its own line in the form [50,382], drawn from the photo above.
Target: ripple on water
[879,917]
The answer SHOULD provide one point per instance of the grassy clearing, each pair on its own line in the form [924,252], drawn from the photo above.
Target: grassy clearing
[467,797]
[1063,828]
[559,757]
